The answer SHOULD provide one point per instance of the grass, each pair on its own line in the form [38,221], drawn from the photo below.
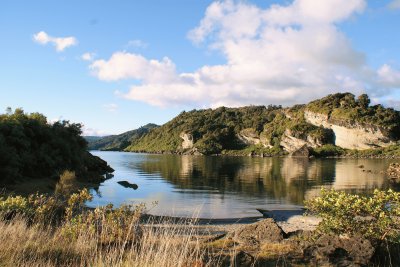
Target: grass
[105,236]
[27,245]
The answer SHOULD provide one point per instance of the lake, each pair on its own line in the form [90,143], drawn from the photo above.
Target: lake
[230,187]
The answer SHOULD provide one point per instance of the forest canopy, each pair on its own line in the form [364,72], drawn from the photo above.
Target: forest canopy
[31,148]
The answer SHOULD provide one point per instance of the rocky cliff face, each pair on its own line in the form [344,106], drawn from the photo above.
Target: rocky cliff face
[187,142]
[350,135]
[292,144]
[251,137]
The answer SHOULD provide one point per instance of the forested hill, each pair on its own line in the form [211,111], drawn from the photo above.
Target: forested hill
[338,121]
[32,148]
[118,142]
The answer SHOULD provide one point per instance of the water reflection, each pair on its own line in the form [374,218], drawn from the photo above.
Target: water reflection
[232,186]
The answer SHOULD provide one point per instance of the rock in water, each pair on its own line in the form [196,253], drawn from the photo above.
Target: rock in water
[127,184]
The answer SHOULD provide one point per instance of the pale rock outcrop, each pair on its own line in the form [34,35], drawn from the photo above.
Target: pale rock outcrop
[187,142]
[292,144]
[350,135]
[250,137]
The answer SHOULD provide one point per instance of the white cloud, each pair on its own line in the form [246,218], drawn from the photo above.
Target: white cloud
[123,65]
[61,43]
[88,56]
[389,77]
[395,4]
[283,54]
[137,43]
[93,132]
[111,107]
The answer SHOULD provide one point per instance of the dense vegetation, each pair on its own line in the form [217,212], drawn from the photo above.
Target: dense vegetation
[118,142]
[213,130]
[345,107]
[32,148]
[221,130]
[375,217]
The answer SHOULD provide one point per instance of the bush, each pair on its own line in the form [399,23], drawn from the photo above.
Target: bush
[376,218]
[328,151]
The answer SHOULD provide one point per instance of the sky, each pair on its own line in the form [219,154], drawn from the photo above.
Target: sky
[117,65]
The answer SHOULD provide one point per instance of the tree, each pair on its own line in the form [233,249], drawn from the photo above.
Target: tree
[363,101]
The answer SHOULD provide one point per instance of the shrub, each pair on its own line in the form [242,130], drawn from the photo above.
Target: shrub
[36,207]
[328,150]
[376,218]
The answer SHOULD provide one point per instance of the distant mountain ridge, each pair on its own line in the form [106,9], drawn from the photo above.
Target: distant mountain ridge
[118,142]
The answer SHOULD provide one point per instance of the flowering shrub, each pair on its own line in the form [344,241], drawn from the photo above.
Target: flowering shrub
[376,218]
[35,207]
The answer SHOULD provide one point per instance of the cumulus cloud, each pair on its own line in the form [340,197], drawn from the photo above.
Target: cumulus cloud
[86,131]
[88,56]
[389,76]
[282,54]
[123,65]
[61,43]
[395,4]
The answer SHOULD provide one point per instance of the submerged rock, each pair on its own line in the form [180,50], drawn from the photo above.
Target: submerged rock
[127,184]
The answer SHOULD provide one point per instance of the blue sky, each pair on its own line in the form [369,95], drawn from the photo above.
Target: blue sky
[117,65]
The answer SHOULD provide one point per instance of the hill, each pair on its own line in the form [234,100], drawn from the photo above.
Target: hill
[118,142]
[33,149]
[338,122]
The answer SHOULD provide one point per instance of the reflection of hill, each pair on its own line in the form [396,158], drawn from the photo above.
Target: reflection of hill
[277,178]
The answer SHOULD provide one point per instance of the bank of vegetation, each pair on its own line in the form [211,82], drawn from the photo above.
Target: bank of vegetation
[271,130]
[35,152]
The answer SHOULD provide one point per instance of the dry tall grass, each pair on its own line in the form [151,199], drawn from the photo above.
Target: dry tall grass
[22,244]
[45,231]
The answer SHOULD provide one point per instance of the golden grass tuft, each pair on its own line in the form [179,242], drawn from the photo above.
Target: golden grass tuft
[34,245]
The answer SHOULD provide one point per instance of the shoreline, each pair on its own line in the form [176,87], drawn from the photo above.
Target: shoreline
[179,153]
[288,220]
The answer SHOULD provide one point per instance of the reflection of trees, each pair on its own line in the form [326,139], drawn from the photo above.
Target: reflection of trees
[278,178]
[292,179]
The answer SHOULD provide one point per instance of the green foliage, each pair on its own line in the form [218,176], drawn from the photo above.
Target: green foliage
[118,142]
[213,130]
[328,150]
[375,217]
[30,147]
[216,130]
[345,108]
[36,207]
[390,151]
[106,224]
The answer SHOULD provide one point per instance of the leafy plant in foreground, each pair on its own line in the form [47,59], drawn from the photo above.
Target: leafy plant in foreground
[376,218]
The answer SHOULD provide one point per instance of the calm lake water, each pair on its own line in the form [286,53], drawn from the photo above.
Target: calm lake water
[230,187]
